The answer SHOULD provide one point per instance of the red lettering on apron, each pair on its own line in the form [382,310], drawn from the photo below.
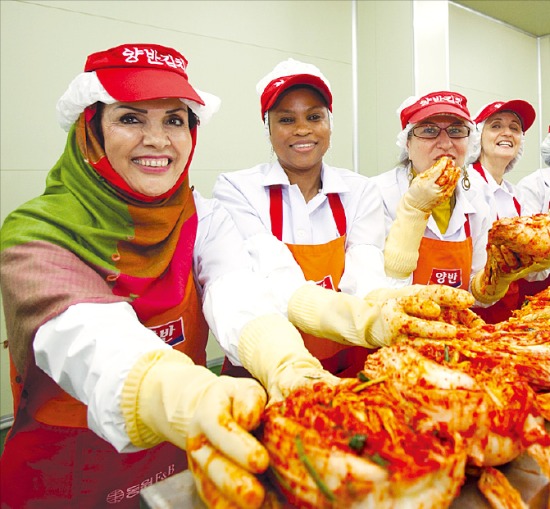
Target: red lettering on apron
[445,262]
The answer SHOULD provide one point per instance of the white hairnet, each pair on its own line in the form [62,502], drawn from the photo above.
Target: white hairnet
[86,89]
[545,150]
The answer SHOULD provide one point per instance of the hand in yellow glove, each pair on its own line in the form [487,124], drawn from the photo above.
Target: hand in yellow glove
[427,190]
[415,312]
[168,398]
[433,186]
[378,320]
[273,351]
[503,266]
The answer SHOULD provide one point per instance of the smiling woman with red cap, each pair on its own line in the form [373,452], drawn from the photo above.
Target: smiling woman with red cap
[102,292]
[498,146]
[110,281]
[306,220]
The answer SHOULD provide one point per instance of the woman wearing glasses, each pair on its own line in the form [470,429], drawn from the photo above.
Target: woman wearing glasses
[436,234]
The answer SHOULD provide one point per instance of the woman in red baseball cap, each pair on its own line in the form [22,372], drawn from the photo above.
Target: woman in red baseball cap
[103,303]
[498,145]
[110,281]
[436,233]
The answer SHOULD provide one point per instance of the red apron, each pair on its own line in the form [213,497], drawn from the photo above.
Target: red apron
[501,310]
[444,262]
[51,459]
[324,264]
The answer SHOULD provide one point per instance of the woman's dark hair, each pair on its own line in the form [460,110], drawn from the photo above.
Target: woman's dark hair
[296,87]
[96,122]
[193,119]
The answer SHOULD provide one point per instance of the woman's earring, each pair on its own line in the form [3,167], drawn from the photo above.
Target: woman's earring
[465,180]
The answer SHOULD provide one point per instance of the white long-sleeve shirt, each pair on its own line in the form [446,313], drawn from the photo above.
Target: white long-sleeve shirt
[534,191]
[245,194]
[90,348]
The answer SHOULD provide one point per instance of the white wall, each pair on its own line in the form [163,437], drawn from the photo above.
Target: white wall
[492,62]
[230,46]
[385,78]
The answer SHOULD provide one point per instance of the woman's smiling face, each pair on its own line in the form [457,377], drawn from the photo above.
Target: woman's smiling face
[501,136]
[300,129]
[148,143]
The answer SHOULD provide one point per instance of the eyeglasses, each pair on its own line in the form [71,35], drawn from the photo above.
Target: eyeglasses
[432,131]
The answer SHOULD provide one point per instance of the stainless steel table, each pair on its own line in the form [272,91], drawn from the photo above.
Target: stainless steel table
[178,491]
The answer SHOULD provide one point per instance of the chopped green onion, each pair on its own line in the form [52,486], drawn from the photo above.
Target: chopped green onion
[357,442]
[280,479]
[302,456]
[360,387]
[376,458]
[362,377]
[446,353]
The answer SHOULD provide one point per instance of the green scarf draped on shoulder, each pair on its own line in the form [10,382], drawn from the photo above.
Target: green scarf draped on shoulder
[84,241]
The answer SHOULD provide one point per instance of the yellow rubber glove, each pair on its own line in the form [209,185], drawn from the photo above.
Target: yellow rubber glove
[427,190]
[450,301]
[434,185]
[503,266]
[168,398]
[375,321]
[273,351]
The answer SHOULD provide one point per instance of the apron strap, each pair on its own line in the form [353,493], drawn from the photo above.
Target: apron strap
[517,205]
[338,212]
[276,210]
[477,167]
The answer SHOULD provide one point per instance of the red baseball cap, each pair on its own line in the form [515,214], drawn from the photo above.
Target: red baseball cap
[286,74]
[139,72]
[522,109]
[435,103]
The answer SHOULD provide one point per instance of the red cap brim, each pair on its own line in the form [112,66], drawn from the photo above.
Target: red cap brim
[522,109]
[131,84]
[437,109]
[272,92]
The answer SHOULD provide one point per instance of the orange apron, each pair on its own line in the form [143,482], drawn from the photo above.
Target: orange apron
[50,424]
[443,262]
[501,310]
[324,264]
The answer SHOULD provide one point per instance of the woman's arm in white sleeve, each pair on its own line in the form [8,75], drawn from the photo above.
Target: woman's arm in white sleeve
[364,264]
[88,350]
[233,292]
[245,207]
[531,193]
